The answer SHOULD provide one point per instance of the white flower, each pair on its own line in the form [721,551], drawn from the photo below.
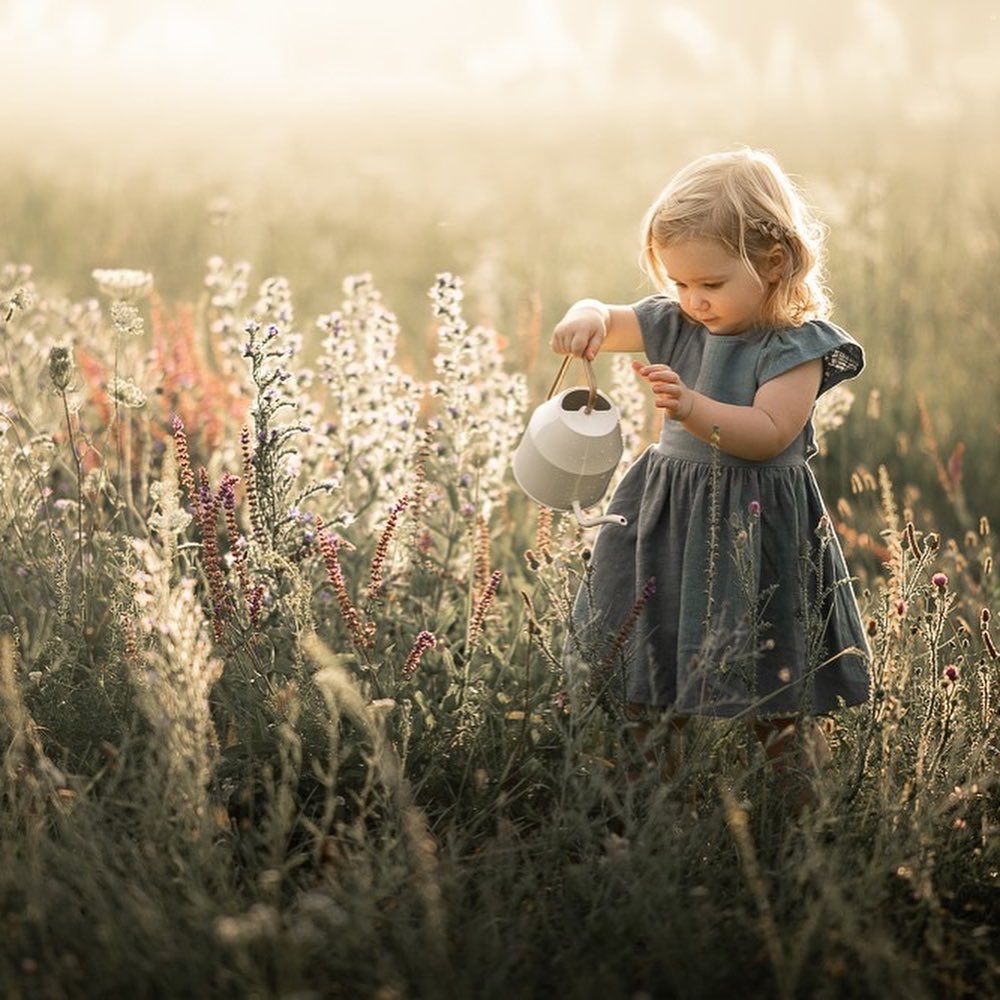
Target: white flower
[126,393]
[123,283]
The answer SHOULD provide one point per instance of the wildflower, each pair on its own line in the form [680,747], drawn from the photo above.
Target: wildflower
[483,604]
[989,644]
[60,368]
[754,508]
[256,603]
[425,640]
[376,580]
[951,673]
[184,459]
[901,607]
[361,631]
[21,299]
[648,590]
[123,283]
[940,580]
[125,392]
[126,319]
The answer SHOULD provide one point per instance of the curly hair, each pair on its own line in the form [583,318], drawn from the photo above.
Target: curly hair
[745,201]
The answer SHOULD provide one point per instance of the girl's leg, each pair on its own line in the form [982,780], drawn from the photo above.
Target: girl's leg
[664,751]
[797,750]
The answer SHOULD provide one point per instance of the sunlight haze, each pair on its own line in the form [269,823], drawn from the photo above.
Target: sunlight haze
[929,57]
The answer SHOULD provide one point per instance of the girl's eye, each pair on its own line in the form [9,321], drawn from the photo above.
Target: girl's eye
[713,285]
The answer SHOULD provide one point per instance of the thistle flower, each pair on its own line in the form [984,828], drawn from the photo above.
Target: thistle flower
[950,673]
[940,580]
[122,283]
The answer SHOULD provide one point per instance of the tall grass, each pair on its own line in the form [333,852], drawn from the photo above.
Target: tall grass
[281,689]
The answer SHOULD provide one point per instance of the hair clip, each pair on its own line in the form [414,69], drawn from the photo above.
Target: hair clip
[772,230]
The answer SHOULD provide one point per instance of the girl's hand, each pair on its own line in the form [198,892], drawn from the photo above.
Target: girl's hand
[669,392]
[582,330]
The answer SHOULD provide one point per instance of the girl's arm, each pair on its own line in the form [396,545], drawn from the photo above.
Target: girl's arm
[590,326]
[757,432]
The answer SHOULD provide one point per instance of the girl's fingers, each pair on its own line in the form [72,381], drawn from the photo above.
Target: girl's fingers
[661,373]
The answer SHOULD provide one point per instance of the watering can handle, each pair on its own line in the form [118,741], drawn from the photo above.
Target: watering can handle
[591,381]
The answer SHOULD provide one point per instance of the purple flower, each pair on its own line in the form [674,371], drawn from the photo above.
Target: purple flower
[754,508]
[940,580]
[951,673]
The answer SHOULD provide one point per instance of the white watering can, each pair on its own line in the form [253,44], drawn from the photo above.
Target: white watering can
[571,449]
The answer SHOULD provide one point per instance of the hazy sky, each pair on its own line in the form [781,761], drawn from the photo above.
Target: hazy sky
[232,47]
[66,52]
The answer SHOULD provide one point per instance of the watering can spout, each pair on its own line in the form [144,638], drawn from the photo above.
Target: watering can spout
[587,521]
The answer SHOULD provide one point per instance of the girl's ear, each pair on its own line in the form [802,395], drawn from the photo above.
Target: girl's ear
[775,263]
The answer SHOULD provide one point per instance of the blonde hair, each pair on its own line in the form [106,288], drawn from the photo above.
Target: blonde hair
[746,202]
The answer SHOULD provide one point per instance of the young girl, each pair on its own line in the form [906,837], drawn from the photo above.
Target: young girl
[749,609]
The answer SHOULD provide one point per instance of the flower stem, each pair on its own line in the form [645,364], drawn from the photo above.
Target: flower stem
[78,463]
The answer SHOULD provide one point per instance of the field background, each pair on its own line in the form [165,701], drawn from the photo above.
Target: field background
[470,838]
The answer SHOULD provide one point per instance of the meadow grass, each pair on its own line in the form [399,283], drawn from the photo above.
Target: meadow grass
[283,704]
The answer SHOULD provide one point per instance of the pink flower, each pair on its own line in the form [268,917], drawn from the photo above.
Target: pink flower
[940,580]
[951,673]
[754,508]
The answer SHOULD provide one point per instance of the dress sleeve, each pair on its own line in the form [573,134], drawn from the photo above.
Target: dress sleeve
[842,355]
[660,321]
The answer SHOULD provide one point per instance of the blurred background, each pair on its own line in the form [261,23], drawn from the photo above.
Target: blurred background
[508,139]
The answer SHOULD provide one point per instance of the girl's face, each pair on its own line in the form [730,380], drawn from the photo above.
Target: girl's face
[714,287]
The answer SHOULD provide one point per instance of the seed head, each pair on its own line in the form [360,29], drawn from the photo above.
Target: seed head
[60,368]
